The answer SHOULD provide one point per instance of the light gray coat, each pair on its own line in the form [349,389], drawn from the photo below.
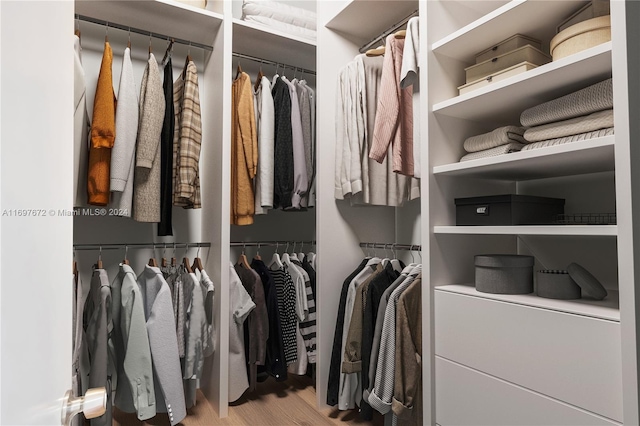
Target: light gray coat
[135,392]
[146,197]
[163,342]
[98,326]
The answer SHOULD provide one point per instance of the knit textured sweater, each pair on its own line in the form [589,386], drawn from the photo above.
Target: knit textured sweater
[103,133]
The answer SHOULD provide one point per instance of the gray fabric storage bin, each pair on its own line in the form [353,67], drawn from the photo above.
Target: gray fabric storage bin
[505,46]
[557,284]
[504,273]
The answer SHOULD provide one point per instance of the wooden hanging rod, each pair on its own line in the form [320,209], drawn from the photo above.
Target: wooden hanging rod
[268,62]
[164,37]
[120,246]
[388,31]
[394,246]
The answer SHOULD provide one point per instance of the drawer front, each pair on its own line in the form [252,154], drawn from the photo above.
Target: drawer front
[468,397]
[569,357]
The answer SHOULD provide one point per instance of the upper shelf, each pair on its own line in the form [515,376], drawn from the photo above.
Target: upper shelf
[529,17]
[588,156]
[505,100]
[550,230]
[167,17]
[363,20]
[271,44]
[607,309]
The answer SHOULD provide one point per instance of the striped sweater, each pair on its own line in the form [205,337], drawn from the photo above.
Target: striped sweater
[308,326]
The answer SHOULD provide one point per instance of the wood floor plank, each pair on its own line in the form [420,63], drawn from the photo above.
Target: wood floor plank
[272,404]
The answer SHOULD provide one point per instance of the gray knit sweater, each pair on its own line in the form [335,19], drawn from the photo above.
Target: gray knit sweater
[146,199]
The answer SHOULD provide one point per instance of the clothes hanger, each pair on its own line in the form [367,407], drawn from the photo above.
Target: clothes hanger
[400,34]
[275,259]
[126,251]
[152,260]
[258,79]
[106,33]
[149,44]
[197,262]
[395,262]
[285,256]
[174,261]
[167,53]
[378,51]
[293,254]
[129,40]
[163,262]
[99,263]
[242,260]
[238,70]
[77,31]
[185,260]
[257,256]
[301,254]
[186,62]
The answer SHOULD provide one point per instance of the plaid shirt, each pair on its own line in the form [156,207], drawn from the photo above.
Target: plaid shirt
[187,138]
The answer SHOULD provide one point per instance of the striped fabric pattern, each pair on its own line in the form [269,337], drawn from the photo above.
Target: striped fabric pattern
[308,326]
[567,139]
[382,395]
[394,116]
[187,138]
[286,292]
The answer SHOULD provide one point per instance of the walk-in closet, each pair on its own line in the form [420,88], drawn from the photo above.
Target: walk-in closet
[319,212]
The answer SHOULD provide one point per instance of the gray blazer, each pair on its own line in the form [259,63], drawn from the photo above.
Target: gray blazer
[163,342]
[135,392]
[98,326]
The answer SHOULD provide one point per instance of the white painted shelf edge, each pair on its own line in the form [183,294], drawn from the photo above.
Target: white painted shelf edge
[607,309]
[536,161]
[272,33]
[549,72]
[552,230]
[193,9]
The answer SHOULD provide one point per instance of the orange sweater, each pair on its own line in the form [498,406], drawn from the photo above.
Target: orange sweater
[103,133]
[244,151]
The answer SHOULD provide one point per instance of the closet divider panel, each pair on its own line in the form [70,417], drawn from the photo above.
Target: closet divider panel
[215,180]
[626,94]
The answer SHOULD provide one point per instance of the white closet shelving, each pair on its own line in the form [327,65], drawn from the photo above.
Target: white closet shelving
[586,173]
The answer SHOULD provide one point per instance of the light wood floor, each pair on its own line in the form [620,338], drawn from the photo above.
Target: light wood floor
[272,404]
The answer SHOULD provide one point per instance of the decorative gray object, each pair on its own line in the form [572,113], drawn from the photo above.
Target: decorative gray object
[504,273]
[591,287]
[557,284]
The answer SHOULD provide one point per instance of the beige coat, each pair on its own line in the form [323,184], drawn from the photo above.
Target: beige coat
[146,196]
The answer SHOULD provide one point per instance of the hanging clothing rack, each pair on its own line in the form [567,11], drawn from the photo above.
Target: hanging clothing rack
[120,246]
[388,31]
[110,24]
[270,243]
[268,62]
[393,246]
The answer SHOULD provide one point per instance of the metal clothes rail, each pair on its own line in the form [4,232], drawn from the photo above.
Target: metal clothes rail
[270,243]
[268,62]
[164,37]
[393,246]
[388,31]
[120,246]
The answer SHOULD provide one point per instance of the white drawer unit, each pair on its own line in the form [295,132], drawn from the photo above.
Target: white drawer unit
[465,396]
[573,358]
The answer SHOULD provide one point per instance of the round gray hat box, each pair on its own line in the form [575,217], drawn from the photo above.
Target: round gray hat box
[557,284]
[504,273]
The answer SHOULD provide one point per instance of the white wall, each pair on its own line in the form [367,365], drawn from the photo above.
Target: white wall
[37,166]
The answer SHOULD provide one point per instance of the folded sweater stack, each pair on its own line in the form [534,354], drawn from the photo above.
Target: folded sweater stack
[283,17]
[585,114]
[499,141]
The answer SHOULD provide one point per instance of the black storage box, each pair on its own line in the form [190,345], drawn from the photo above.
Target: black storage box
[510,209]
